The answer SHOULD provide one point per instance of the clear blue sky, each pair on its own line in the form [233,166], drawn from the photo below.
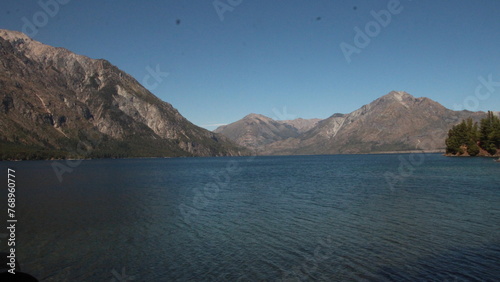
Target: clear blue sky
[281,58]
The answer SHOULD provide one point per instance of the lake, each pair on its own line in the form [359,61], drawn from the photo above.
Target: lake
[285,218]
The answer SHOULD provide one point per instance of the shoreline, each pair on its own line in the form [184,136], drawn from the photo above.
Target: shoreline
[368,153]
[124,158]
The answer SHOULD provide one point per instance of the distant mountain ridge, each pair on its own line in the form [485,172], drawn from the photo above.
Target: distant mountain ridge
[396,121]
[55,103]
[254,131]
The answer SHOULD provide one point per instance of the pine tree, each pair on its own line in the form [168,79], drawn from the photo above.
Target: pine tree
[473,137]
[489,133]
[459,136]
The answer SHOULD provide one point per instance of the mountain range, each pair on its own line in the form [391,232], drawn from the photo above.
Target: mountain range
[57,104]
[255,131]
[395,122]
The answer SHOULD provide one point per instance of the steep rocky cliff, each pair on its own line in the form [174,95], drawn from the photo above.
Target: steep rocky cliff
[55,103]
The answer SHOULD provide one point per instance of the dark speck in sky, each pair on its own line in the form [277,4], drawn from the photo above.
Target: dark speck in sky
[318,18]
[178,22]
[354,8]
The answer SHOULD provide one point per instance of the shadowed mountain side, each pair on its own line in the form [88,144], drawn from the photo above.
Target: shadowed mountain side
[59,104]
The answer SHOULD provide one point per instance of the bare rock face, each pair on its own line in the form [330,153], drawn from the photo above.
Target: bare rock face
[255,131]
[53,99]
[394,122]
[302,125]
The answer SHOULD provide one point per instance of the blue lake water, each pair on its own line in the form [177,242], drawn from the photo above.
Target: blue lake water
[318,218]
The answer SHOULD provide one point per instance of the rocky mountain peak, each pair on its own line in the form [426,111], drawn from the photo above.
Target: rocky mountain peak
[254,116]
[400,95]
[403,100]
[12,35]
[30,48]
[396,96]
